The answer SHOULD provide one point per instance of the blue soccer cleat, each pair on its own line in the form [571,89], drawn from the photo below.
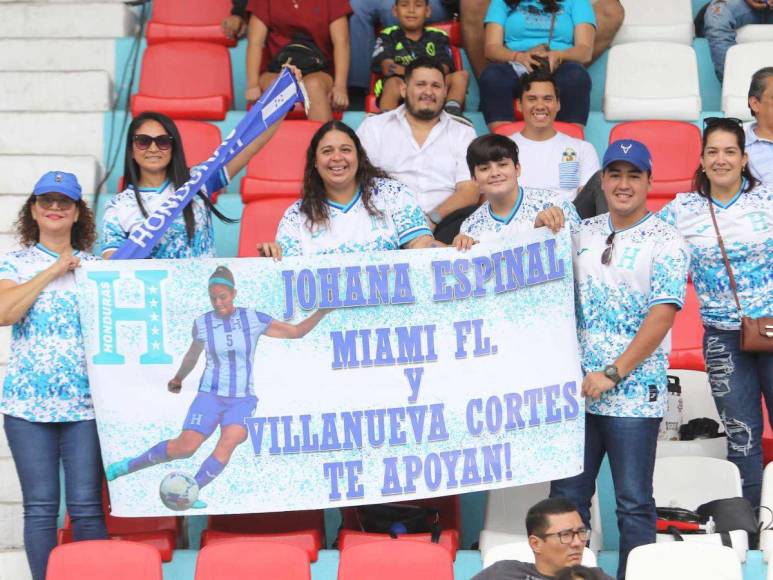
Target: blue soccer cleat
[117,469]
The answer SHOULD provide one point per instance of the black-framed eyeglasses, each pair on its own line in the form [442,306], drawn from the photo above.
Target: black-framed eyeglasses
[566,536]
[142,141]
[726,121]
[47,201]
[606,256]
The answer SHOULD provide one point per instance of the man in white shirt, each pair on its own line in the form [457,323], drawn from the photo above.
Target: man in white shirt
[550,159]
[425,148]
[759,135]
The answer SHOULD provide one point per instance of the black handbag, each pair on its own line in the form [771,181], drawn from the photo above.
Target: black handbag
[397,518]
[302,53]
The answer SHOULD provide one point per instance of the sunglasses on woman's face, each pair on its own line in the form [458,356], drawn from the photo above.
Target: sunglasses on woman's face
[142,141]
[47,201]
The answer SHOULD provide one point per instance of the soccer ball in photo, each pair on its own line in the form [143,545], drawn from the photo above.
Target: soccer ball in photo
[178,491]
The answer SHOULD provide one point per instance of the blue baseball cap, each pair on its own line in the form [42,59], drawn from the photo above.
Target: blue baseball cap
[633,152]
[59,182]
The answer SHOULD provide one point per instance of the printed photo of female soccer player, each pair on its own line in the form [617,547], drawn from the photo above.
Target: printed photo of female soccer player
[226,396]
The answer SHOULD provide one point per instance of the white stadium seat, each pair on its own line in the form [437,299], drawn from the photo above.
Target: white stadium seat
[754,33]
[766,514]
[688,482]
[681,560]
[521,551]
[652,80]
[658,20]
[697,403]
[741,62]
[505,516]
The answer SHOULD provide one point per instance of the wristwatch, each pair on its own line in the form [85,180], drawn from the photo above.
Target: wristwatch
[435,217]
[611,372]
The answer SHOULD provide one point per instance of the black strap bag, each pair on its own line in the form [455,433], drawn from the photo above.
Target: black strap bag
[397,518]
[302,53]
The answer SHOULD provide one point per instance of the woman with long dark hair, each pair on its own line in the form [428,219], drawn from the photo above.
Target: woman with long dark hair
[46,399]
[521,35]
[725,190]
[154,167]
[347,204]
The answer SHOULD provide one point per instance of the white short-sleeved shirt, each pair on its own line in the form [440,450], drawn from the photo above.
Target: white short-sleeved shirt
[484,225]
[431,171]
[122,215]
[746,225]
[351,228]
[562,163]
[46,379]
[649,266]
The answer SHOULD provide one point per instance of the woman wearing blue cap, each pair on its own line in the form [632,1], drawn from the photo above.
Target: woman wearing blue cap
[45,396]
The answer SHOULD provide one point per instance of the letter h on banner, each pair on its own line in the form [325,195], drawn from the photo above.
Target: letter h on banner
[149,314]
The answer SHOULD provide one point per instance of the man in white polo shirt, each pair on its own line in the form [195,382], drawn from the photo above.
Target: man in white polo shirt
[550,159]
[425,148]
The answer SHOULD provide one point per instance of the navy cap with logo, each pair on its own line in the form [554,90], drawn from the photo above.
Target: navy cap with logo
[633,152]
[58,182]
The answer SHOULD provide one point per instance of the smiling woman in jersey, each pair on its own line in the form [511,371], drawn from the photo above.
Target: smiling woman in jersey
[347,204]
[49,417]
[226,396]
[744,216]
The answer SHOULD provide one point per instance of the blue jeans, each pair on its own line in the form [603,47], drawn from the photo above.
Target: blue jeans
[37,449]
[499,85]
[722,19]
[737,380]
[630,443]
[366,15]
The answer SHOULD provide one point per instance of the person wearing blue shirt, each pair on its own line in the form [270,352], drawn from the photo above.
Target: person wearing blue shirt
[522,35]
[229,335]
[744,215]
[46,401]
[630,277]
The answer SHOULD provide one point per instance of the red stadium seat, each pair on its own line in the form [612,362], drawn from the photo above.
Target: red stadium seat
[687,335]
[454,31]
[767,436]
[571,129]
[390,560]
[252,559]
[188,20]
[185,80]
[304,529]
[260,219]
[675,148]
[100,559]
[449,539]
[309,541]
[298,113]
[277,169]
[160,532]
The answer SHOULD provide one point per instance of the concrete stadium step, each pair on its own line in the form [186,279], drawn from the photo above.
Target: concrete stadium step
[13,563]
[66,20]
[83,91]
[52,134]
[34,54]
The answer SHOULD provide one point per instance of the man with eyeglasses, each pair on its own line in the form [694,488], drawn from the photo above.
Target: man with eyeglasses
[557,539]
[630,272]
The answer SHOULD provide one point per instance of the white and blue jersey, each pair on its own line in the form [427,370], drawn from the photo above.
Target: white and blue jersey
[484,225]
[46,379]
[122,215]
[648,267]
[351,228]
[746,225]
[230,345]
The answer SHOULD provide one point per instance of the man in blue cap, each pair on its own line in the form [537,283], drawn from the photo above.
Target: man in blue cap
[630,276]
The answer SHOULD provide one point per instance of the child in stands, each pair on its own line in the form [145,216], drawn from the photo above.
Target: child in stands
[398,46]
